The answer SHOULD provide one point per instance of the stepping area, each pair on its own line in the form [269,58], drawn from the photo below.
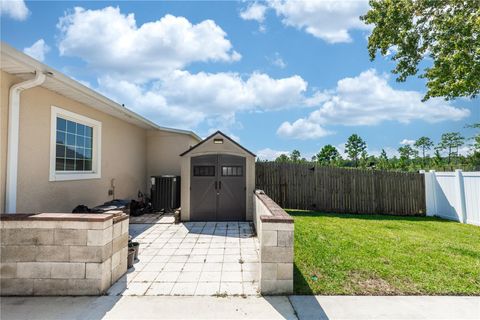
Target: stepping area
[193,258]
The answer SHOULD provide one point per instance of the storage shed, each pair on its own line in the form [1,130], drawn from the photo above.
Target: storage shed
[218,179]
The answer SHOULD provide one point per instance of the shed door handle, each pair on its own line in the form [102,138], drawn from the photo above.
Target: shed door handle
[219,184]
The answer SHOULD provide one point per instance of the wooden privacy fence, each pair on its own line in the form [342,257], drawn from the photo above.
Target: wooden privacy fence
[329,189]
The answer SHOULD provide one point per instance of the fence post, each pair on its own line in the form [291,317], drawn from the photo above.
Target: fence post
[460,205]
[430,192]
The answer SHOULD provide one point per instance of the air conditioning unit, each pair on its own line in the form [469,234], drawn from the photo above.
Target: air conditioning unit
[165,193]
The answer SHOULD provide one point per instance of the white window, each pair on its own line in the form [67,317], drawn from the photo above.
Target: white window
[75,146]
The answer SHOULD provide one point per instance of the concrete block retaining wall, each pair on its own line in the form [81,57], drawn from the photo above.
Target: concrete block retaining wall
[62,254]
[275,230]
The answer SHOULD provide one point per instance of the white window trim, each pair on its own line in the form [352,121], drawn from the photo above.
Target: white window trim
[96,147]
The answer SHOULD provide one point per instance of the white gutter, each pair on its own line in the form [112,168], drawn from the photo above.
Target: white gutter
[12,144]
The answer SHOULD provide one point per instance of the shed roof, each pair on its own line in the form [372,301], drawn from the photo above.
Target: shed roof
[210,137]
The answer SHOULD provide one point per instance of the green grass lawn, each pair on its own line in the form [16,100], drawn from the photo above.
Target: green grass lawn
[384,255]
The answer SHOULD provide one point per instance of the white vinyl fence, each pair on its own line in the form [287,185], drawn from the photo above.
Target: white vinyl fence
[453,195]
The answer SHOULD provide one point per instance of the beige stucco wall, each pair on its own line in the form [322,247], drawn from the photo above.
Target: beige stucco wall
[163,152]
[209,147]
[123,155]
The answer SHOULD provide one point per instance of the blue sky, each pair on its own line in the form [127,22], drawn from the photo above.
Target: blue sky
[274,75]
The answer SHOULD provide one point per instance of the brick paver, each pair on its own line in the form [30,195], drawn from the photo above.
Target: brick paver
[192,258]
[152,218]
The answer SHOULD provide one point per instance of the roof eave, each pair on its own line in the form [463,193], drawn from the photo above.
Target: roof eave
[36,65]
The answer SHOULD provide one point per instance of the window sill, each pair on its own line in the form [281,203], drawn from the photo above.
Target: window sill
[74,176]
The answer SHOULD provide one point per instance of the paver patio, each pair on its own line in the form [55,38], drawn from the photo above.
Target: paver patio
[192,258]
[152,218]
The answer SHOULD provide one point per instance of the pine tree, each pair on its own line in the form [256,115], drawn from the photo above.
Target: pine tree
[424,144]
[354,147]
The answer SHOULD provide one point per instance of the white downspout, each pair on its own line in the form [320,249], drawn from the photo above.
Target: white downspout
[12,143]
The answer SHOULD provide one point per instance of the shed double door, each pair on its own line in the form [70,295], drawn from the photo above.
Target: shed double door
[217,188]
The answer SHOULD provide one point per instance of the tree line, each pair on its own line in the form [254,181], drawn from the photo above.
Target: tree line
[421,154]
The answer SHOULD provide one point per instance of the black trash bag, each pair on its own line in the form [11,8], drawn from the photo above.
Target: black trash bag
[116,204]
[148,206]
[81,209]
[135,208]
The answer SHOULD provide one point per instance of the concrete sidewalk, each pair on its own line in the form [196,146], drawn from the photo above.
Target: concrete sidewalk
[202,307]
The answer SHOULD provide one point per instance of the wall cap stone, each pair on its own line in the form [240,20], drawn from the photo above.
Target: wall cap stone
[278,215]
[121,218]
[87,217]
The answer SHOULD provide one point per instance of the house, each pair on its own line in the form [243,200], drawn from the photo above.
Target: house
[64,144]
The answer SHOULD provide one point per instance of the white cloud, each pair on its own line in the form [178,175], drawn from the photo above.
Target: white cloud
[38,50]
[324,19]
[277,61]
[368,99]
[270,154]
[15,9]
[317,98]
[341,150]
[391,152]
[328,20]
[141,67]
[111,41]
[407,142]
[254,11]
[465,150]
[226,91]
[149,103]
[302,129]
[184,99]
